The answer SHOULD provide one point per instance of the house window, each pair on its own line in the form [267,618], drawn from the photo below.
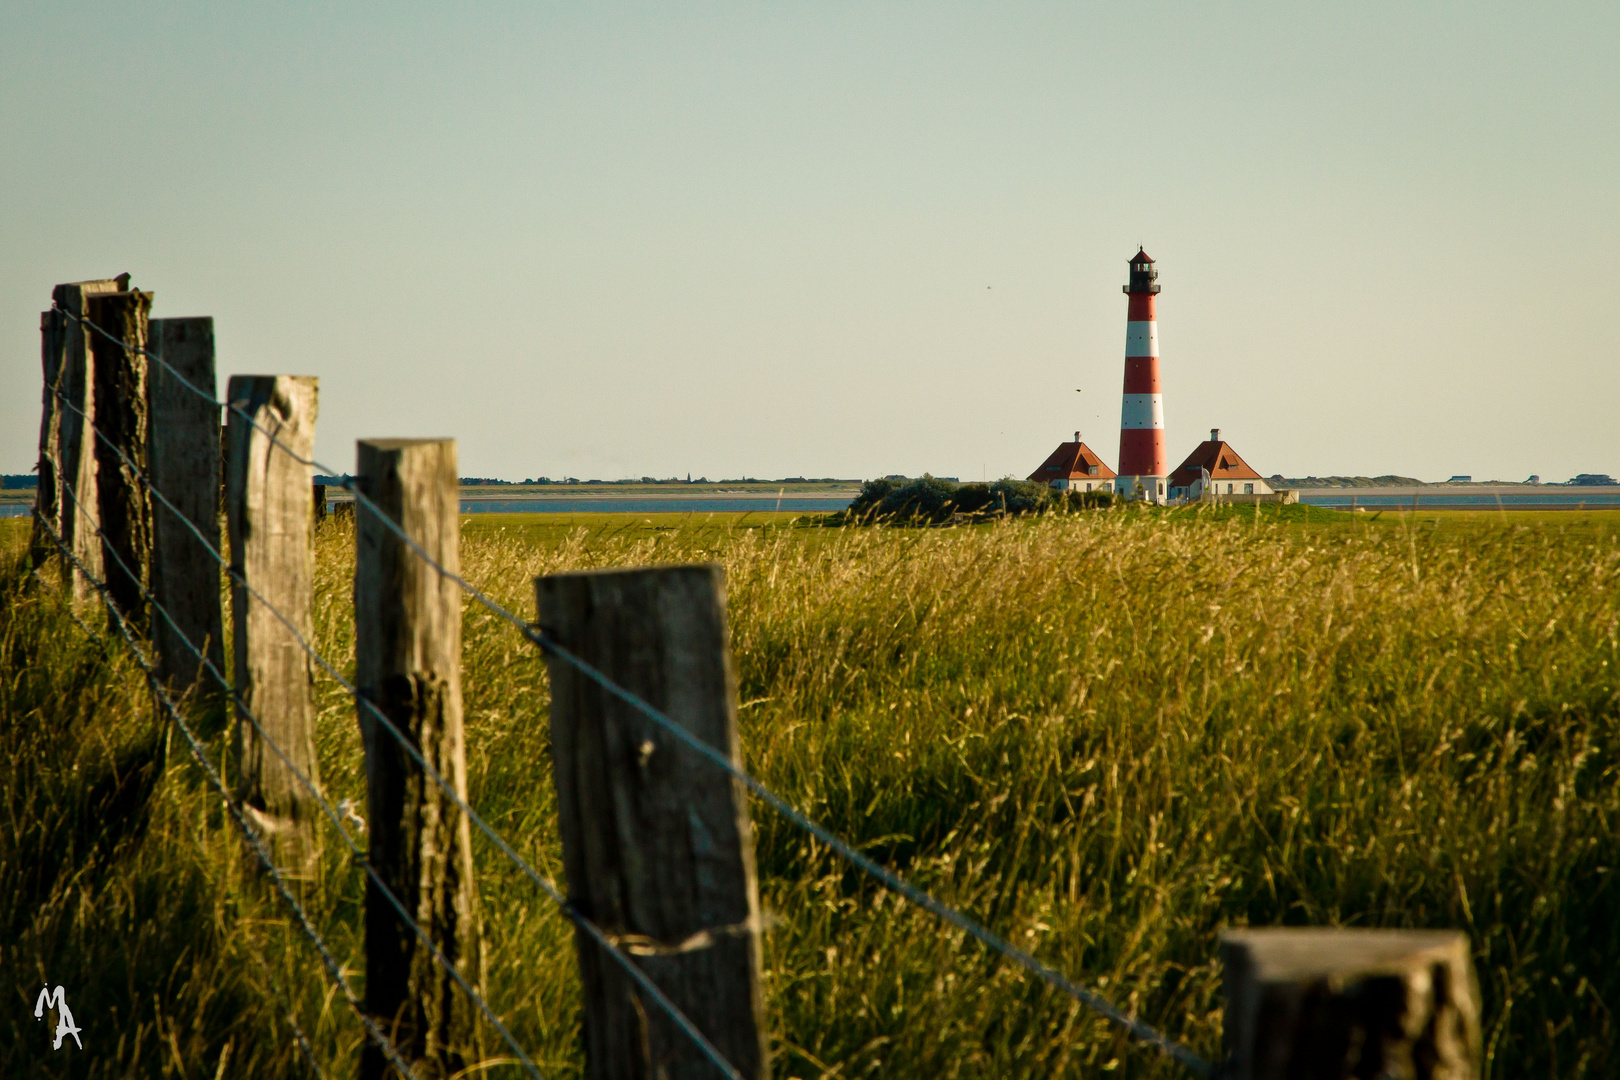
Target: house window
[1229,489]
[1248,489]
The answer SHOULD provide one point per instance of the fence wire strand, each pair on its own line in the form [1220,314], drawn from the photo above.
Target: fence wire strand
[1138,1029]
[309,785]
[275,987]
[251,835]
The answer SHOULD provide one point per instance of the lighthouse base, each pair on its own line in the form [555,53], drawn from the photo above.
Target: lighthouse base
[1151,489]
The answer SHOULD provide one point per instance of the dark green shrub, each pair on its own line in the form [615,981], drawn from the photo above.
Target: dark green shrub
[974,499]
[930,500]
[871,497]
[1019,496]
[927,498]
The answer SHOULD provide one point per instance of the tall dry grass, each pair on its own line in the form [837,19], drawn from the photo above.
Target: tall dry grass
[1107,737]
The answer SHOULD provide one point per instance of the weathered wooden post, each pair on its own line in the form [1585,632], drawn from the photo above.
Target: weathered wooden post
[657,844]
[118,368]
[407,620]
[184,463]
[267,513]
[66,502]
[1323,1004]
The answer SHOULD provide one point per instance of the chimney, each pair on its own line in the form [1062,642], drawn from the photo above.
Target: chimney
[1077,436]
[1214,434]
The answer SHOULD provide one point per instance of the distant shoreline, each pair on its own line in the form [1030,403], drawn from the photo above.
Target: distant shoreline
[637,494]
[1471,490]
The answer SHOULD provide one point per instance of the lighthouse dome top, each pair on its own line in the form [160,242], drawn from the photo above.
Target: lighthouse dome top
[1141,256]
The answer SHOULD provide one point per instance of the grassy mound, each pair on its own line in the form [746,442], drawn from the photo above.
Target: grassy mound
[1107,736]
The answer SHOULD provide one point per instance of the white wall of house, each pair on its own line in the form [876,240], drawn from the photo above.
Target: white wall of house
[1225,487]
[1081,483]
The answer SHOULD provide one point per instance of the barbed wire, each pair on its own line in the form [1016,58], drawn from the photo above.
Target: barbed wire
[1138,1029]
[886,877]
[251,835]
[309,785]
[275,987]
[590,928]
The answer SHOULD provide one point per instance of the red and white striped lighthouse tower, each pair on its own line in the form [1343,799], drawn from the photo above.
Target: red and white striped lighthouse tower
[1144,465]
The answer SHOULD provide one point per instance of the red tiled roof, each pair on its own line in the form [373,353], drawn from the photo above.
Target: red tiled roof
[1219,458]
[1072,461]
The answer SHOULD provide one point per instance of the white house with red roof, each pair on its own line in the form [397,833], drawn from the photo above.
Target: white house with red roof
[1216,469]
[1073,466]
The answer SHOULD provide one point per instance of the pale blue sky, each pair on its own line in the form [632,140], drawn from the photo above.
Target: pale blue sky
[841,239]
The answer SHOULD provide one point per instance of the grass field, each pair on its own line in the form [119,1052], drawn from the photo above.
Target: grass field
[1108,736]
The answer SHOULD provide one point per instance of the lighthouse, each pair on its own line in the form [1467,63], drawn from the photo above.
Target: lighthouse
[1144,465]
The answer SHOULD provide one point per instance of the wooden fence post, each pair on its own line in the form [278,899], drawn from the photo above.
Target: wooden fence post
[119,372]
[267,512]
[1315,1004]
[66,500]
[657,844]
[185,470]
[317,504]
[408,665]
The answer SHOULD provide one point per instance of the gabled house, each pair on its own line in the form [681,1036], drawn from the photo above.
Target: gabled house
[1216,469]
[1073,466]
